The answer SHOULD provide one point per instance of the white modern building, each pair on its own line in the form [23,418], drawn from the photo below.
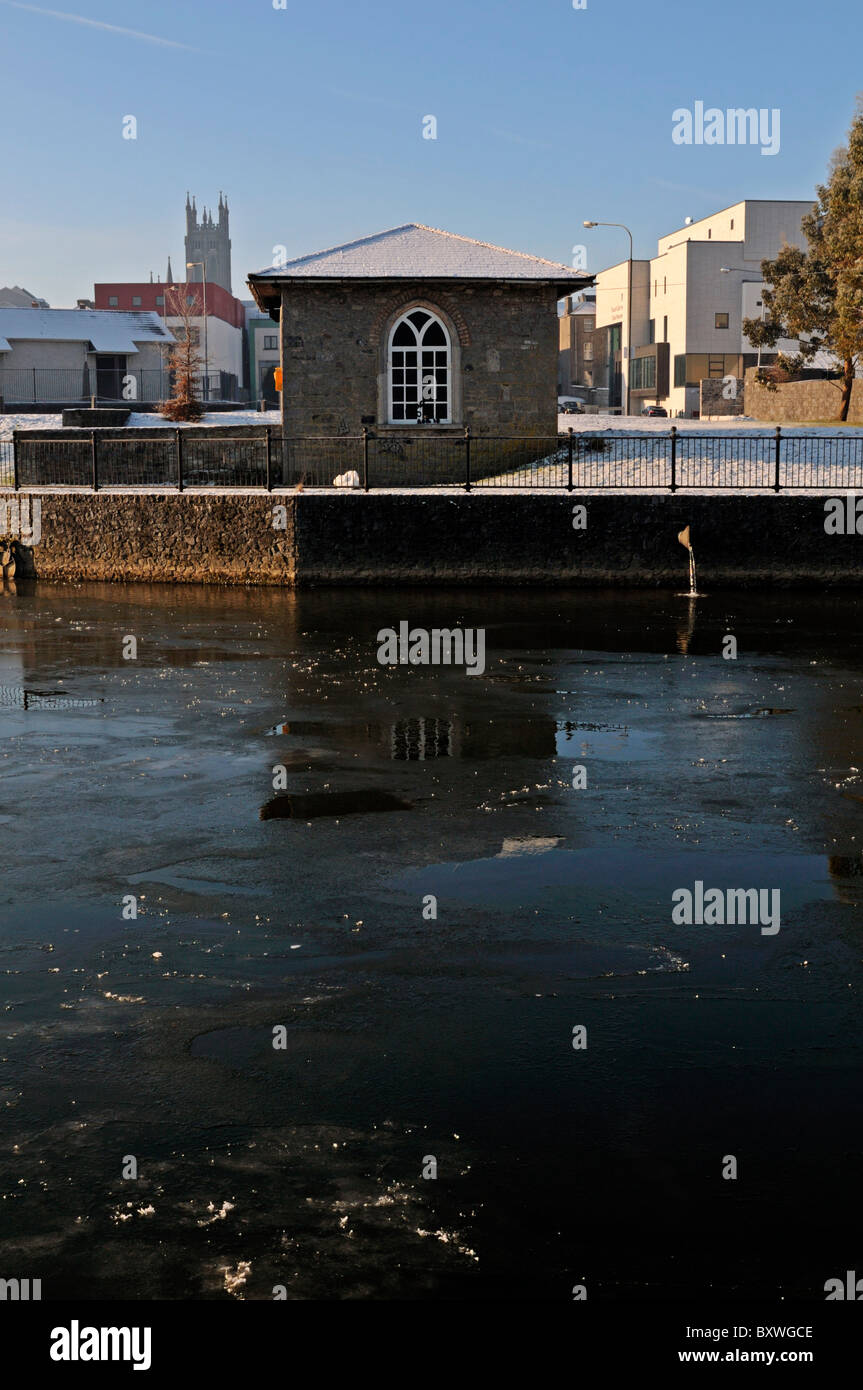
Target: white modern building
[689,303]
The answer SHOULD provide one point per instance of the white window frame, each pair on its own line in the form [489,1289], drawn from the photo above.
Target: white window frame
[446,419]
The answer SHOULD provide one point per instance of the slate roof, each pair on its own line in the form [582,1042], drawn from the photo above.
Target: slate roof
[109,330]
[415,252]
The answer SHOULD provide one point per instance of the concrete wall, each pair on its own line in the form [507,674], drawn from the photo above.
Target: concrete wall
[441,539]
[801,400]
[505,340]
[33,352]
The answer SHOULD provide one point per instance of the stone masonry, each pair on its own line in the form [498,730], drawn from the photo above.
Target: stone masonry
[505,346]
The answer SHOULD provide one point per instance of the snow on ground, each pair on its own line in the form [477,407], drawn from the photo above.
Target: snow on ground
[651,424]
[143,420]
[581,424]
[636,453]
[612,451]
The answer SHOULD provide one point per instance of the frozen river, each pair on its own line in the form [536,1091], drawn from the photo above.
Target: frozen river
[428,1130]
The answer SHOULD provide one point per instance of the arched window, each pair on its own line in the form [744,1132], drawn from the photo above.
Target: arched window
[419,367]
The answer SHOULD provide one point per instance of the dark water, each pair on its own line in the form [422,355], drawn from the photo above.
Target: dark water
[409,1038]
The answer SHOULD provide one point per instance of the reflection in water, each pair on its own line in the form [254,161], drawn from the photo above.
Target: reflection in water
[846,865]
[760,712]
[422,738]
[16,697]
[308,806]
[416,740]
[687,628]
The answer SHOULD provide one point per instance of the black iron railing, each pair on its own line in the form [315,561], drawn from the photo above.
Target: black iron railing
[182,458]
[147,385]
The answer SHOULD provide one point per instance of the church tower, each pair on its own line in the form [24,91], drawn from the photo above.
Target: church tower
[209,241]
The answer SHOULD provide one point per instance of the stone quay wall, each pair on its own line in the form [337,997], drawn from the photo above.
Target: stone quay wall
[431,539]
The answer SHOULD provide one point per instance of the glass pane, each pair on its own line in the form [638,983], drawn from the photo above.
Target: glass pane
[404,336]
[434,335]
[418,317]
[398,412]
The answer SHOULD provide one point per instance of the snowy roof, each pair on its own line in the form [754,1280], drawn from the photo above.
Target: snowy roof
[416,252]
[109,330]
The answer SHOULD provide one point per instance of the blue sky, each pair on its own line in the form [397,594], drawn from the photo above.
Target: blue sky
[310,118]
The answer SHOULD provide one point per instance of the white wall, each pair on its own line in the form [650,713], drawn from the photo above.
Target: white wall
[224,344]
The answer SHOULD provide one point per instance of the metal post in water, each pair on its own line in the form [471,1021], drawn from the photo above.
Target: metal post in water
[683,537]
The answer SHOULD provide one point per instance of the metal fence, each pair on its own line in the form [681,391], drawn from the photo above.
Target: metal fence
[177,458]
[42,385]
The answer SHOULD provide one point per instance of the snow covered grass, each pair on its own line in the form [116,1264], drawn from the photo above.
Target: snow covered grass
[739,453]
[732,424]
[613,452]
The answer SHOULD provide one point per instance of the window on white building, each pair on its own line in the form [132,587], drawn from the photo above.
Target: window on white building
[419,367]
[271,342]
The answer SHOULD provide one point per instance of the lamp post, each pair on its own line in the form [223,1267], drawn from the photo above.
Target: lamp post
[628,353]
[191,265]
[744,270]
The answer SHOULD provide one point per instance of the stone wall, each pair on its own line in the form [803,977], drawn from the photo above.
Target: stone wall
[224,538]
[529,539]
[440,538]
[801,400]
[712,399]
[505,340]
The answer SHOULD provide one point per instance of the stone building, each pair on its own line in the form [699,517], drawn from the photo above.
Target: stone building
[418,330]
[577,325]
[209,240]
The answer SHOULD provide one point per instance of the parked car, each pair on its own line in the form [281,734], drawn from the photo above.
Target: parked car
[571,408]
[655,410]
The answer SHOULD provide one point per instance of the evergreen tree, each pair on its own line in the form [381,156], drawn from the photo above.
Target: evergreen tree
[816,296]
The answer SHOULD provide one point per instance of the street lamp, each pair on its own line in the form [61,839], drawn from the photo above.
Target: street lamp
[744,270]
[628,354]
[191,265]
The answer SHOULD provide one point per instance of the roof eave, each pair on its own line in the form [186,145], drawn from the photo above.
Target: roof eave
[266,289]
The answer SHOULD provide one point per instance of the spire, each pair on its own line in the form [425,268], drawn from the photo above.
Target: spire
[170,276]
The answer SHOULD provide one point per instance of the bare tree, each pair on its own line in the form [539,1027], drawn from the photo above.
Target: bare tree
[184,359]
